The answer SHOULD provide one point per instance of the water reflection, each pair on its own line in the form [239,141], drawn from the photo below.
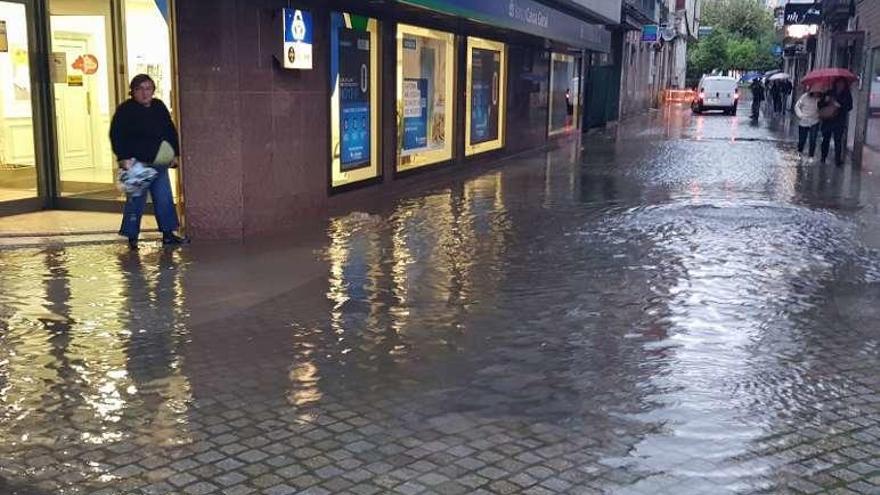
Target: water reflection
[665,301]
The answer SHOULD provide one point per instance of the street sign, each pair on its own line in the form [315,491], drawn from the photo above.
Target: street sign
[704,31]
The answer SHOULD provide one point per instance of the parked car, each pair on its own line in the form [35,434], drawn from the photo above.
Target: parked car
[716,93]
[874,105]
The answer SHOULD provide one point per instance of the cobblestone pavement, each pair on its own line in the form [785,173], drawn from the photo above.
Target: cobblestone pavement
[682,308]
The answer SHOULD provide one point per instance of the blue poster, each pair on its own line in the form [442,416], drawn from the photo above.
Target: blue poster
[485,73]
[354,98]
[415,114]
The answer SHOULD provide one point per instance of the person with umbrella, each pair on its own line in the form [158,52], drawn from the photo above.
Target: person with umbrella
[757,97]
[834,111]
[834,107]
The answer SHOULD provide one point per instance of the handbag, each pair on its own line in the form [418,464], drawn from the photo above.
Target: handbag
[829,111]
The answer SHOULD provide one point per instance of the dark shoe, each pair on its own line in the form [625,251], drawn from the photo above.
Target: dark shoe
[133,244]
[174,240]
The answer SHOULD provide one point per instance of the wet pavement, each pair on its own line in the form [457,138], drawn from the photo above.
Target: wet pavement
[684,307]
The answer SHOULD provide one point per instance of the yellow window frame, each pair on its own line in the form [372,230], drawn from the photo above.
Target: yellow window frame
[480,43]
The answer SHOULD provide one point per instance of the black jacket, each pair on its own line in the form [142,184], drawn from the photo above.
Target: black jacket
[137,131]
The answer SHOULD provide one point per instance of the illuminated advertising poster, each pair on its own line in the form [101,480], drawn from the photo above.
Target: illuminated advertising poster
[415,114]
[485,80]
[354,101]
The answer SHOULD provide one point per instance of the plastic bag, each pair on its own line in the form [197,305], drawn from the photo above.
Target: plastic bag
[136,179]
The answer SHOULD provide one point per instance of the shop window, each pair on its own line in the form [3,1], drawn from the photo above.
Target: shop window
[564,93]
[486,77]
[18,171]
[425,78]
[873,136]
[354,102]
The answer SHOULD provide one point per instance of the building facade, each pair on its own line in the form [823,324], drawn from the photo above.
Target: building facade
[288,110]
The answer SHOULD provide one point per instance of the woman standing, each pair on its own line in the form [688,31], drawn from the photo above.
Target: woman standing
[807,111]
[834,111]
[142,131]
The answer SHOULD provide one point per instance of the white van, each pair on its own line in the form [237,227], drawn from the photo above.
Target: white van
[716,93]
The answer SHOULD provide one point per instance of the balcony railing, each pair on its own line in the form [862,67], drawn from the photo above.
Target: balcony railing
[647,9]
[837,11]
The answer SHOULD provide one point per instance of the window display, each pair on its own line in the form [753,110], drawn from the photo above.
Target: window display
[486,76]
[564,93]
[354,99]
[425,71]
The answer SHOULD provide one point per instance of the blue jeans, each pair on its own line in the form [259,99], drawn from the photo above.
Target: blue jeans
[163,206]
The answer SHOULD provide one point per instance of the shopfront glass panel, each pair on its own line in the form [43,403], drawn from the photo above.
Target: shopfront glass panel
[425,78]
[873,137]
[486,80]
[354,102]
[18,171]
[81,59]
[564,93]
[148,51]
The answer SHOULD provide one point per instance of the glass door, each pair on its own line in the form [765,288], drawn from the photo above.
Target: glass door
[19,177]
[82,58]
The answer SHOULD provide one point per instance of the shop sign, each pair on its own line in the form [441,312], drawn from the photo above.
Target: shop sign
[87,64]
[527,16]
[297,39]
[802,13]
[354,100]
[485,74]
[4,40]
[74,80]
[650,33]
[415,113]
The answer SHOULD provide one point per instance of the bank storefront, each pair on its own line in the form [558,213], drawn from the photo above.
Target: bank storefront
[452,78]
[64,67]
[385,94]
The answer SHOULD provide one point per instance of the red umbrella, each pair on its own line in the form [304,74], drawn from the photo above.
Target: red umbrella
[827,77]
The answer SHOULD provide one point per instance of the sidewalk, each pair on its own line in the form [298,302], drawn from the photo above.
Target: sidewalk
[64,227]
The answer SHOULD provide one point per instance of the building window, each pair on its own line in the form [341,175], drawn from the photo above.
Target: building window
[486,76]
[354,101]
[425,79]
[564,93]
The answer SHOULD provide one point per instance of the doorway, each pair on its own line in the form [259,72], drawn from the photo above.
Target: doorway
[60,108]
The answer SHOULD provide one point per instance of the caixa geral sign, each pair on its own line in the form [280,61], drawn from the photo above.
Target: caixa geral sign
[297,49]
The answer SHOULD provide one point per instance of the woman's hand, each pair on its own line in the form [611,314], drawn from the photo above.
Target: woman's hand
[174,163]
[127,163]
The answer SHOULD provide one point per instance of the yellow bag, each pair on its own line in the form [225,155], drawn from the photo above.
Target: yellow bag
[165,155]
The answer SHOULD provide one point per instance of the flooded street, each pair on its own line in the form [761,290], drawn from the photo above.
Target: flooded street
[676,306]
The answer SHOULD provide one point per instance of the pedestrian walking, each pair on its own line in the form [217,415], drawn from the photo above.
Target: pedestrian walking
[834,108]
[757,97]
[776,97]
[142,132]
[786,88]
[807,111]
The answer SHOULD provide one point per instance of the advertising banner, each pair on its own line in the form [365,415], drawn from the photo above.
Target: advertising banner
[354,98]
[802,13]
[415,114]
[485,75]
[297,39]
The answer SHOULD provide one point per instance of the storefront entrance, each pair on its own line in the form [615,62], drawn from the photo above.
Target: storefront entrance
[55,114]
